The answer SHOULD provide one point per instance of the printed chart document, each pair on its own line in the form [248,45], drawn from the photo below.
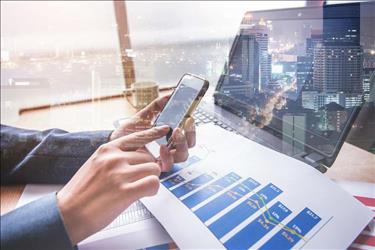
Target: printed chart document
[134,228]
[236,194]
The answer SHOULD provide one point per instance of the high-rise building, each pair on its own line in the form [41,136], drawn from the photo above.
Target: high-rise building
[341,24]
[369,74]
[304,71]
[243,70]
[305,64]
[368,82]
[338,69]
[313,41]
[322,99]
[353,100]
[308,99]
[315,100]
[333,117]
[260,31]
[338,62]
[371,97]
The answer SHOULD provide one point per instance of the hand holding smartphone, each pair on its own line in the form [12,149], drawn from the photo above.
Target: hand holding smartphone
[182,103]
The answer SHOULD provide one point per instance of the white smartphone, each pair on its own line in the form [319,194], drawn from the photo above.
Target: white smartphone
[182,103]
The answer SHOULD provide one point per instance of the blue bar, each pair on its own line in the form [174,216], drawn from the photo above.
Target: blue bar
[173,181]
[246,208]
[224,200]
[191,185]
[177,167]
[301,225]
[210,190]
[258,228]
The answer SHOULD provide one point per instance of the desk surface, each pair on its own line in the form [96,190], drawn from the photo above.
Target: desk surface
[352,163]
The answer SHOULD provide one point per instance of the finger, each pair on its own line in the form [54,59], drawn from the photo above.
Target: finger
[180,151]
[138,157]
[146,186]
[166,159]
[138,139]
[134,124]
[190,133]
[136,172]
[140,123]
[151,110]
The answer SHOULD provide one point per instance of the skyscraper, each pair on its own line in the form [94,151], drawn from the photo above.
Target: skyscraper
[368,82]
[341,24]
[368,74]
[304,70]
[333,117]
[260,31]
[313,41]
[243,70]
[338,68]
[338,61]
[308,99]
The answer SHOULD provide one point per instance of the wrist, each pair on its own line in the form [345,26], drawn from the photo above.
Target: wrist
[71,220]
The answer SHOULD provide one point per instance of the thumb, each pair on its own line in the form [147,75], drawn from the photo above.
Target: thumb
[138,139]
[151,110]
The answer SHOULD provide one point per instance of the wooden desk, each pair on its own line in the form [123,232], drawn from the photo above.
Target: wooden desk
[352,163]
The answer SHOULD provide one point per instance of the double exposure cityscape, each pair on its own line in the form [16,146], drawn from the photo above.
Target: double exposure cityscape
[306,96]
[301,78]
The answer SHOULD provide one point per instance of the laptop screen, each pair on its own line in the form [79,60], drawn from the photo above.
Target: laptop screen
[302,73]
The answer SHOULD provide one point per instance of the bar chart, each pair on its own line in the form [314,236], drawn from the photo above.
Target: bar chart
[177,167]
[252,198]
[239,211]
[302,224]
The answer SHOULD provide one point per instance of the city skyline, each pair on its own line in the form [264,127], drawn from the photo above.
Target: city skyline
[312,94]
[274,76]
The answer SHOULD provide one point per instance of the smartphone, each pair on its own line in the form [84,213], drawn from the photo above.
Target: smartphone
[182,103]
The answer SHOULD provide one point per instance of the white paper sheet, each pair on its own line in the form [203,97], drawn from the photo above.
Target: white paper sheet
[135,228]
[211,202]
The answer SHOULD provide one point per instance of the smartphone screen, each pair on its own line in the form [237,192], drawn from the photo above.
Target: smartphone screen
[179,104]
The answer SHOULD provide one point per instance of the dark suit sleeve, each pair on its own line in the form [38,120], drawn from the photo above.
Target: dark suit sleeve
[37,225]
[51,156]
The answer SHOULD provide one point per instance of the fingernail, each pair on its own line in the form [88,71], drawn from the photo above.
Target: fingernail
[181,132]
[178,135]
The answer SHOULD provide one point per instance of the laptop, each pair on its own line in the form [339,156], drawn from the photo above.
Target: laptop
[295,79]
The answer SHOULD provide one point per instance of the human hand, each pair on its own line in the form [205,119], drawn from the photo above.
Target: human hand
[115,176]
[182,138]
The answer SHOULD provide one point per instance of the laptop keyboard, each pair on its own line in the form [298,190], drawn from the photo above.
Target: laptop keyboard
[134,213]
[202,117]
